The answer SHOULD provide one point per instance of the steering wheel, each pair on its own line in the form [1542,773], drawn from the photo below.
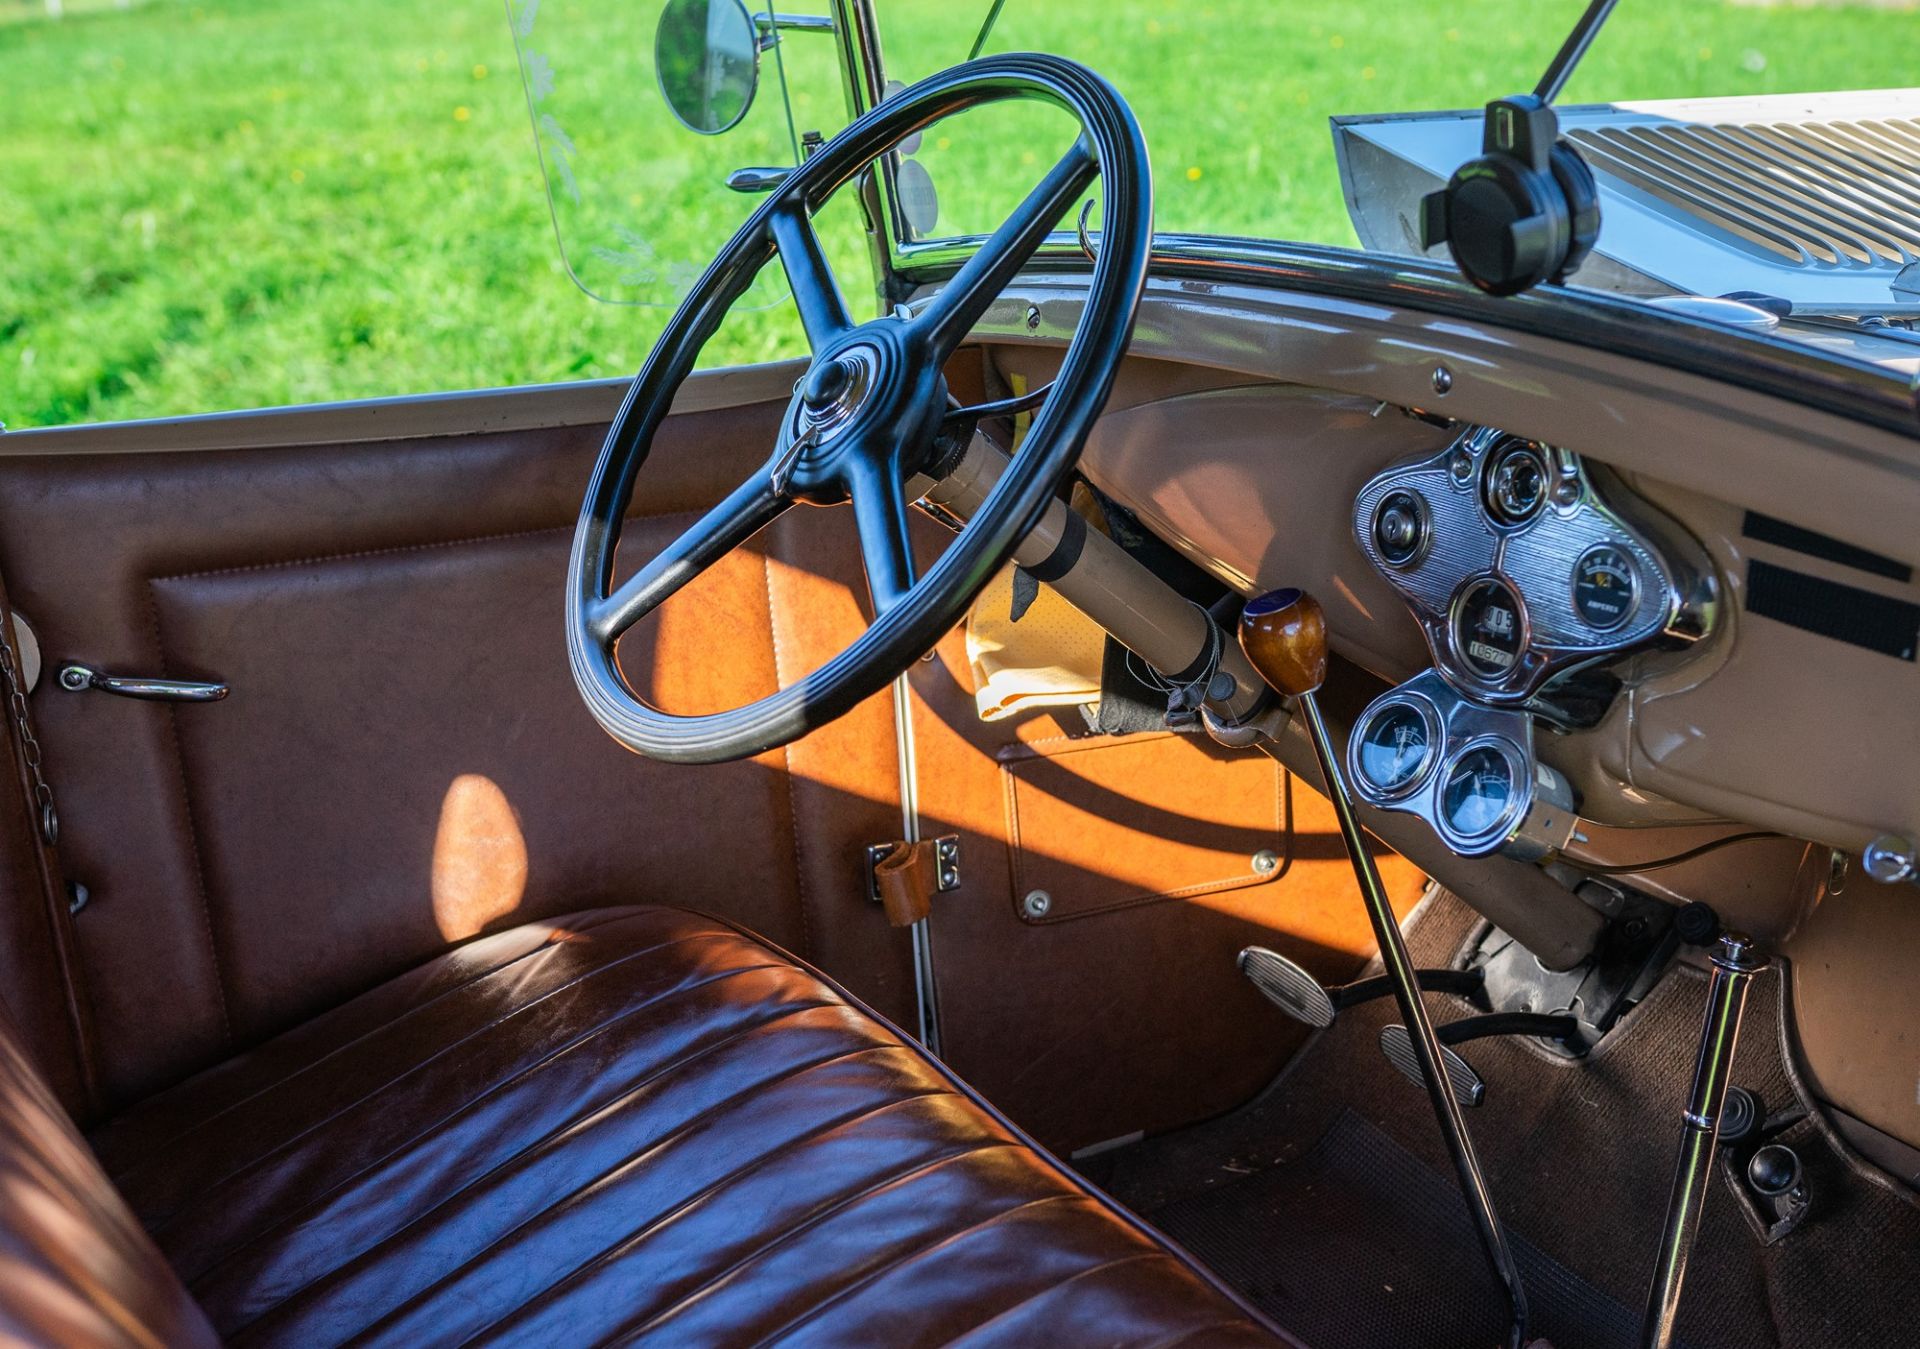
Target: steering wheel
[864,418]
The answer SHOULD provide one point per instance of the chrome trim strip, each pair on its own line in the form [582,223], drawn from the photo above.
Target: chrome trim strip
[525,407]
[1762,361]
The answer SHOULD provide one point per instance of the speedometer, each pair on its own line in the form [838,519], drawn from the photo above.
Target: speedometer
[1605,584]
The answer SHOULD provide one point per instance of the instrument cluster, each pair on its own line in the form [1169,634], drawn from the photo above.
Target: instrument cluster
[1523,567]
[1517,567]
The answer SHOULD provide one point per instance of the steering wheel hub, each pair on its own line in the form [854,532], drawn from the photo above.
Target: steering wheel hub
[832,394]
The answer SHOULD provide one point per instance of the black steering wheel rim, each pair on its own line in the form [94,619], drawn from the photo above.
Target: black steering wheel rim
[912,620]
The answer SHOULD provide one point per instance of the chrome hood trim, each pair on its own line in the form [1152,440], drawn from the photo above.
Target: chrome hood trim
[1811,197]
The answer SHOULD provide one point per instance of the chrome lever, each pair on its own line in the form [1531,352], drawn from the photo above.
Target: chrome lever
[78,678]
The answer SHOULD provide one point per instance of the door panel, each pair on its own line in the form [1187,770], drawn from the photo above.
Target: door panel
[388,616]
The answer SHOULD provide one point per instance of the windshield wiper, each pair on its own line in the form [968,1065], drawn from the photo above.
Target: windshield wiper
[993,17]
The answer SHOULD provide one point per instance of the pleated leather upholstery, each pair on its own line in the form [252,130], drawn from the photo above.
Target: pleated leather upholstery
[631,1124]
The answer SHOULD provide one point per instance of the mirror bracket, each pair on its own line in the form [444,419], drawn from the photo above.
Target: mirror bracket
[772,25]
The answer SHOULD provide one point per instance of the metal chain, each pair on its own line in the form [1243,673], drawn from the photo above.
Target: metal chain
[23,728]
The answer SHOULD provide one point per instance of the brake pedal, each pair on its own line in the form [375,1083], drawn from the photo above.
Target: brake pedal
[1288,986]
[1468,1088]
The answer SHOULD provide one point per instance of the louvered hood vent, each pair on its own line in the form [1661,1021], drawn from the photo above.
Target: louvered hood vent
[1811,197]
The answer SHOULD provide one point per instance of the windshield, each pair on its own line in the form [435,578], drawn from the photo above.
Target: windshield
[1238,101]
[1235,99]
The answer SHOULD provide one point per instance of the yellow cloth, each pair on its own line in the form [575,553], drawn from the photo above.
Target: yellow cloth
[1050,658]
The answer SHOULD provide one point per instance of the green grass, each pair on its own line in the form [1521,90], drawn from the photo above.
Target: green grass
[210,206]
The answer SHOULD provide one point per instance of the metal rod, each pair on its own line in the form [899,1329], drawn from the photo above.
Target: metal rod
[1426,1045]
[926,996]
[857,35]
[1735,962]
[1572,50]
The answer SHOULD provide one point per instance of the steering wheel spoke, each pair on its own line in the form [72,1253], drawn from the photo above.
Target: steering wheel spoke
[880,515]
[952,313]
[744,512]
[823,313]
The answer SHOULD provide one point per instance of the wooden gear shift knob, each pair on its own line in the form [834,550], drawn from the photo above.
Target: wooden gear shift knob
[1284,635]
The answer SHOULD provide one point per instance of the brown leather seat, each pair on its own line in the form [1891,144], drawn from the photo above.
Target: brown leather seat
[630,1124]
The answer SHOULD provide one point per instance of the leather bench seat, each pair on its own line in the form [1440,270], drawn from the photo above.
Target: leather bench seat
[632,1124]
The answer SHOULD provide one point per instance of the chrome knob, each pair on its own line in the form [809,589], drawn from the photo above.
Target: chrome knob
[826,384]
[1889,860]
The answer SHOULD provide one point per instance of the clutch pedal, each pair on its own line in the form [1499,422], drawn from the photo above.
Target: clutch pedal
[1288,986]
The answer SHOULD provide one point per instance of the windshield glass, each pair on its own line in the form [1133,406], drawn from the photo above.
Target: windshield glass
[1235,99]
[1250,110]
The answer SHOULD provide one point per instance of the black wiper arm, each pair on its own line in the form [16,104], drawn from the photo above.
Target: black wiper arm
[986,29]
[1570,51]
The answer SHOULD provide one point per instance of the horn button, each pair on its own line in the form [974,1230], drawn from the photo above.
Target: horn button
[862,398]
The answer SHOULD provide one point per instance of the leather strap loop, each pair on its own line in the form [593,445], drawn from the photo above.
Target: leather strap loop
[906,879]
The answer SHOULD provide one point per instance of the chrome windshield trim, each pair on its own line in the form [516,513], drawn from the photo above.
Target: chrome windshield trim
[1761,361]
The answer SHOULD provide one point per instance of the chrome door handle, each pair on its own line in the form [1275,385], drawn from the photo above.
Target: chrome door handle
[78,678]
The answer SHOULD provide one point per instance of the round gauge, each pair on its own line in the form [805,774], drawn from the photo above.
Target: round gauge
[1489,627]
[1477,793]
[1400,528]
[1605,584]
[1517,483]
[1395,747]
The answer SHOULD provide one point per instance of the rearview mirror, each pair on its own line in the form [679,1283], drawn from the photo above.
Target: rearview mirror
[706,57]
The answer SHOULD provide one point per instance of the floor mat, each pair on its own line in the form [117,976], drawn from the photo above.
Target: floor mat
[1579,1157]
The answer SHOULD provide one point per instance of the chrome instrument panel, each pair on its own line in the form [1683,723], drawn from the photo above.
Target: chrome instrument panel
[1467,769]
[1519,569]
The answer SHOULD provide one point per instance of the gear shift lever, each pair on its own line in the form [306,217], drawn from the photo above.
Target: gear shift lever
[1284,635]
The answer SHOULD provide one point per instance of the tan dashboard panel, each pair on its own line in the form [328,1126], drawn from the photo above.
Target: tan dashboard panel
[1770,723]
[1853,1004]
[1256,484]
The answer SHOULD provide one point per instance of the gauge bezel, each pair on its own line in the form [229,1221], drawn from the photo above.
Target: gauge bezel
[1628,614]
[1460,660]
[1436,741]
[1520,787]
[1423,515]
[1500,453]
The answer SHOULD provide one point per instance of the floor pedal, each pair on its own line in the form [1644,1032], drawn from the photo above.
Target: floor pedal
[1288,986]
[1468,1088]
